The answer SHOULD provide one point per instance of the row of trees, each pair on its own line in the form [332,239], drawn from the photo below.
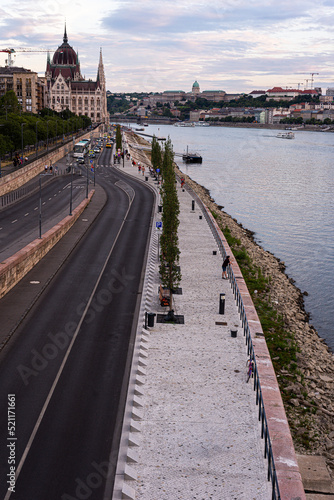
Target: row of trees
[169,243]
[19,129]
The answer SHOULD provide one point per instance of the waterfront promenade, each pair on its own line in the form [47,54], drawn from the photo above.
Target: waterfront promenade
[191,428]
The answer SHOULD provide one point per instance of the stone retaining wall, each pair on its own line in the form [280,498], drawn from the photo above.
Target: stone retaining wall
[17,179]
[13,269]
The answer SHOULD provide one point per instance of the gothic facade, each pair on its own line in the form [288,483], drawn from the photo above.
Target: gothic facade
[67,89]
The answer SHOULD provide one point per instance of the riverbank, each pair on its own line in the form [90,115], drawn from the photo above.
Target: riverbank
[309,407]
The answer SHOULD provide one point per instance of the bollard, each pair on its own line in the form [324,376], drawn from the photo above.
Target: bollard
[222,303]
[234,333]
[193,205]
[214,252]
[200,217]
[150,319]
[146,178]
[159,208]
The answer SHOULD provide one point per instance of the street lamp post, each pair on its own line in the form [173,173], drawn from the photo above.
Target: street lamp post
[36,140]
[71,192]
[86,178]
[40,203]
[22,125]
[0,159]
[47,136]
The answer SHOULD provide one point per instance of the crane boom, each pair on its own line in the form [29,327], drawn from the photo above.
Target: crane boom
[11,51]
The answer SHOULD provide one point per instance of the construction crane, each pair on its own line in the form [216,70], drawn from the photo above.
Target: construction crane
[11,53]
[296,83]
[312,79]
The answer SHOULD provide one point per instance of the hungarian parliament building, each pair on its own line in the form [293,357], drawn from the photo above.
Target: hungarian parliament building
[63,86]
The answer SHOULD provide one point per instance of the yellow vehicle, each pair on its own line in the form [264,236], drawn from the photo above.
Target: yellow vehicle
[108,145]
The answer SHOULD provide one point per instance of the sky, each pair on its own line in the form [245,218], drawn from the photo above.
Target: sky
[156,45]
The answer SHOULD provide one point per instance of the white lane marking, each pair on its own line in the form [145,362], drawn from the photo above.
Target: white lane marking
[13,221]
[26,214]
[36,208]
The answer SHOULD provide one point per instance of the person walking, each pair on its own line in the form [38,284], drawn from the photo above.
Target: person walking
[224,267]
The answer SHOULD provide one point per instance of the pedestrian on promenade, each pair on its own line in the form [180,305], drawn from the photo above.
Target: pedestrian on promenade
[224,267]
[143,169]
[139,168]
[45,168]
[182,182]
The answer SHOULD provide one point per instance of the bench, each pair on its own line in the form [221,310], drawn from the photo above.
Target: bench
[164,296]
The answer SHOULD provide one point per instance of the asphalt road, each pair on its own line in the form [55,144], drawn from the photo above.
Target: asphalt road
[19,223]
[67,362]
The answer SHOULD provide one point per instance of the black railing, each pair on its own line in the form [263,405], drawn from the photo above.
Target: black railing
[272,476]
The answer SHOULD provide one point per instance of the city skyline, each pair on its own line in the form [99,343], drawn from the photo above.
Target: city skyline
[154,46]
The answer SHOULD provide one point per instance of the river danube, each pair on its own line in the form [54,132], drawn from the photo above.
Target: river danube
[281,189]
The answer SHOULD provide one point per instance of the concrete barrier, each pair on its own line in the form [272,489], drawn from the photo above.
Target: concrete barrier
[13,269]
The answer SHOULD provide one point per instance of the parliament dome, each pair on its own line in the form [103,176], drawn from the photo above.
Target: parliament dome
[65,55]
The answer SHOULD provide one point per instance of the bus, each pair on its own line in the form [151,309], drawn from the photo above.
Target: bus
[80,149]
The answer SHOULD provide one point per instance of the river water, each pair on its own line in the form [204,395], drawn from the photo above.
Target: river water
[282,190]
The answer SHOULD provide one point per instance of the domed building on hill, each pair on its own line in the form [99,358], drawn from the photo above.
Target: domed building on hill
[67,89]
[195,88]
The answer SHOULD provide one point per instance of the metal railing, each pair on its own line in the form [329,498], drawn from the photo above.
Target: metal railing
[271,475]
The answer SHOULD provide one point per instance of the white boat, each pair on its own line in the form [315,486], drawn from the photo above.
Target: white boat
[202,124]
[286,135]
[184,124]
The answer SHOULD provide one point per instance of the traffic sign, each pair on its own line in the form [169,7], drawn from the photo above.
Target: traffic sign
[158,225]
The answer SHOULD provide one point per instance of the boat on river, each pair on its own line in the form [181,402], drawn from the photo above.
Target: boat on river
[285,135]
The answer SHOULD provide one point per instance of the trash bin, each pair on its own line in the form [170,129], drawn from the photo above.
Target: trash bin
[234,333]
[150,319]
[159,208]
[222,303]
[146,178]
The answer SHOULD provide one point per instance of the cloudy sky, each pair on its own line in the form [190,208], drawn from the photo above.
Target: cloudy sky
[157,45]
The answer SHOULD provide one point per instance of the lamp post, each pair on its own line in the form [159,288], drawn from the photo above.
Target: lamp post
[40,203]
[87,177]
[36,141]
[47,135]
[0,159]
[71,191]
[22,125]
[56,132]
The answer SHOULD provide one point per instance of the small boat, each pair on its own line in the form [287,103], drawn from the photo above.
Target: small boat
[184,124]
[191,157]
[286,135]
[202,124]
[139,129]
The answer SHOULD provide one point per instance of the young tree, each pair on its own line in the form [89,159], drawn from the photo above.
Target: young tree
[118,137]
[156,153]
[169,258]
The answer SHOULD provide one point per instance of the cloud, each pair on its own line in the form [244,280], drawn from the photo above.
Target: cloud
[156,45]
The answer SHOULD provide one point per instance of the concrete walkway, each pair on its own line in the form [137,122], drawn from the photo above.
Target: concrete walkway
[191,429]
